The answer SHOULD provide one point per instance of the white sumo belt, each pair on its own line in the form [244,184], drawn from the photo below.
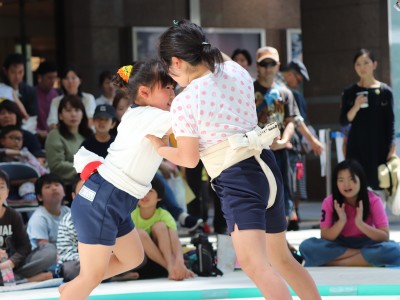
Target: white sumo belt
[239,147]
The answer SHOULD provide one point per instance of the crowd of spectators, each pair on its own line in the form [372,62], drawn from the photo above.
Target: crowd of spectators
[44,126]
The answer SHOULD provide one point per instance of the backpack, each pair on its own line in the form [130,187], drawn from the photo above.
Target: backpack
[205,264]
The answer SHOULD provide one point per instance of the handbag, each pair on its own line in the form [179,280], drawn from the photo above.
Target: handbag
[389,179]
[394,202]
[183,193]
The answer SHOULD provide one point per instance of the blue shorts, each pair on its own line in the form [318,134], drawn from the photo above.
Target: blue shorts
[101,212]
[244,191]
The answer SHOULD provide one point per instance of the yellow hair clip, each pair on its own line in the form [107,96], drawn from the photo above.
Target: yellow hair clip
[125,72]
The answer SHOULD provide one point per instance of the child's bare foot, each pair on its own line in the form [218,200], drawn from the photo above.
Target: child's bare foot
[40,277]
[180,272]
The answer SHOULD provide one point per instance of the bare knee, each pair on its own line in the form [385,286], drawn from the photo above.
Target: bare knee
[282,258]
[142,234]
[91,279]
[249,265]
[138,261]
[159,228]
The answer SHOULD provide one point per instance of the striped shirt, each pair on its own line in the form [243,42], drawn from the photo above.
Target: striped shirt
[67,240]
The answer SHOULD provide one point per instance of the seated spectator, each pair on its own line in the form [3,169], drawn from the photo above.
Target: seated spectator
[14,71]
[67,241]
[11,115]
[11,140]
[103,121]
[7,93]
[71,86]
[45,92]
[107,87]
[354,225]
[15,245]
[158,234]
[63,142]
[121,104]
[43,225]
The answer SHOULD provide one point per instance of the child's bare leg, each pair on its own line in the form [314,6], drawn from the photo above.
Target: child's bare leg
[98,263]
[127,254]
[180,271]
[250,247]
[294,274]
[94,261]
[161,236]
[151,249]
[352,257]
[348,253]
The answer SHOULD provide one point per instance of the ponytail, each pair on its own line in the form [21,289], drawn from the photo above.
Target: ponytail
[188,42]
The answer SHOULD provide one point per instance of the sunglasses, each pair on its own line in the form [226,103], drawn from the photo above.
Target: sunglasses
[266,64]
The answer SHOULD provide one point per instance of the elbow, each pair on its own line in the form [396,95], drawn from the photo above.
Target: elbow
[327,237]
[190,160]
[386,237]
[192,164]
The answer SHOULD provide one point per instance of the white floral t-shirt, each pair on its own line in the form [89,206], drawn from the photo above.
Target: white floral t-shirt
[215,106]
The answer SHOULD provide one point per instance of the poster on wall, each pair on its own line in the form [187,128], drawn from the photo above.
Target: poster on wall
[145,41]
[294,44]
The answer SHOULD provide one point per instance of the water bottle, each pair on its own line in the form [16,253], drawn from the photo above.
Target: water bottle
[7,274]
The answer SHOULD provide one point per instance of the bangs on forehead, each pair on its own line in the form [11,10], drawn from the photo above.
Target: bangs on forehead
[353,174]
[165,80]
[161,77]
[73,103]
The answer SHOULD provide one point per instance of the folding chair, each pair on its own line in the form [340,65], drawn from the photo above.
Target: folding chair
[19,173]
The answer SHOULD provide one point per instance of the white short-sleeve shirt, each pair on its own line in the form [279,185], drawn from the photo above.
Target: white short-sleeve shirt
[6,92]
[88,102]
[132,161]
[215,106]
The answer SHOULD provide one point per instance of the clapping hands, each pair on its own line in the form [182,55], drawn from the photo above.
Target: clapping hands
[340,210]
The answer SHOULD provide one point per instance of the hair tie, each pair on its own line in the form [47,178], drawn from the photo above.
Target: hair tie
[175,22]
[205,43]
[125,72]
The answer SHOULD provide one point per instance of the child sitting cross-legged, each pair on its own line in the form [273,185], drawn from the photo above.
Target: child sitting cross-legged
[158,234]
[354,225]
[15,248]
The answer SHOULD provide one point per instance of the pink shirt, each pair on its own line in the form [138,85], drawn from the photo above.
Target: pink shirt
[377,216]
[215,106]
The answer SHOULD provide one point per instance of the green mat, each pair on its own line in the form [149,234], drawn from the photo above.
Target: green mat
[232,293]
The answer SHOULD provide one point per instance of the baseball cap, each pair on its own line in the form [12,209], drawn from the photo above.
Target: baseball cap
[105,111]
[267,52]
[298,66]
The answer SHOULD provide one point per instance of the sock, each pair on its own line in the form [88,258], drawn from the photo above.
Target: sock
[182,217]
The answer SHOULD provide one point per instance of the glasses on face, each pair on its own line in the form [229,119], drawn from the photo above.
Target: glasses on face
[267,64]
